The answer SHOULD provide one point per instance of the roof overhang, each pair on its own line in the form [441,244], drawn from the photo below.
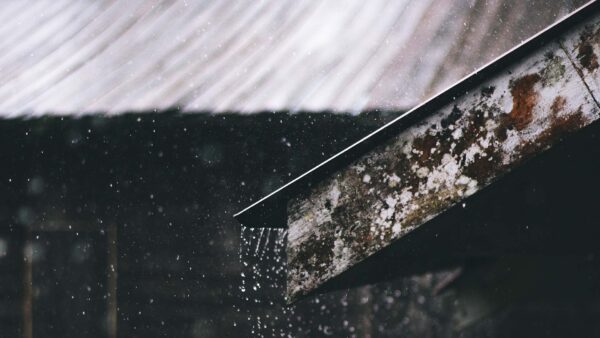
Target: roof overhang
[353,206]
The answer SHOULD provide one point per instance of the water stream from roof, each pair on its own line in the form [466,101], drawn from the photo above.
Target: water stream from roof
[387,309]
[262,286]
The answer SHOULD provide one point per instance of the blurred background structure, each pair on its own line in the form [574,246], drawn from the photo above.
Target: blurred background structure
[75,57]
[132,131]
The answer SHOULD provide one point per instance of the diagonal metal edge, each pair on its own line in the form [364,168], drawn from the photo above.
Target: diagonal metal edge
[269,211]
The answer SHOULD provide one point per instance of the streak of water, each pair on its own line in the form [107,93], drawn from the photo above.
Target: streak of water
[385,310]
[263,281]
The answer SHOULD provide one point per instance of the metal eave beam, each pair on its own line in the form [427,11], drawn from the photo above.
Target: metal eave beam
[433,157]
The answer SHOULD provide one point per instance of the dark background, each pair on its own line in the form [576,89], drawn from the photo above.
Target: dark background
[169,183]
[142,204]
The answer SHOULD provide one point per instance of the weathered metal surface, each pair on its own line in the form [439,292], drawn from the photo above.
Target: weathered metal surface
[75,57]
[583,48]
[447,157]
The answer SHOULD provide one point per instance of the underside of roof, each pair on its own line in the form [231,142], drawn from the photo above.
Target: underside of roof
[75,57]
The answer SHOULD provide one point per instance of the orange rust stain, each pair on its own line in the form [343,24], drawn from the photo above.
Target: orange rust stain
[559,127]
[558,104]
[568,123]
[524,99]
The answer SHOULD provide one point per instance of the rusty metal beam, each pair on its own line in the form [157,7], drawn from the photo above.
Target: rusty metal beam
[437,155]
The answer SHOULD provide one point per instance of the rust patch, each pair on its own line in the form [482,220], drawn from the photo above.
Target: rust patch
[524,99]
[482,166]
[471,131]
[568,123]
[558,105]
[585,51]
[559,127]
[316,256]
[587,57]
[427,151]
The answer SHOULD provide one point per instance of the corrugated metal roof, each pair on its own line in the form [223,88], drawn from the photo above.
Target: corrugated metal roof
[65,56]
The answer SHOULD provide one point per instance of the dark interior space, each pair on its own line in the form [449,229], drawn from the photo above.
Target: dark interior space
[143,204]
[169,184]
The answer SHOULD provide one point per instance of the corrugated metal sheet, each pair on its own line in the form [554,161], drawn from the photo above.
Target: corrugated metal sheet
[66,57]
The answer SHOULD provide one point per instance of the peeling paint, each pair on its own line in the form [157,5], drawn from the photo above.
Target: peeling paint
[438,162]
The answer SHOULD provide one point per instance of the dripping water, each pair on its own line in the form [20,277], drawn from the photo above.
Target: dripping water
[262,286]
[385,310]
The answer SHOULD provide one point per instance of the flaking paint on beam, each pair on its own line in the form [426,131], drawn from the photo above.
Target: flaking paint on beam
[451,154]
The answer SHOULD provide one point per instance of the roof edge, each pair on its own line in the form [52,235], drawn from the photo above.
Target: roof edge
[269,211]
